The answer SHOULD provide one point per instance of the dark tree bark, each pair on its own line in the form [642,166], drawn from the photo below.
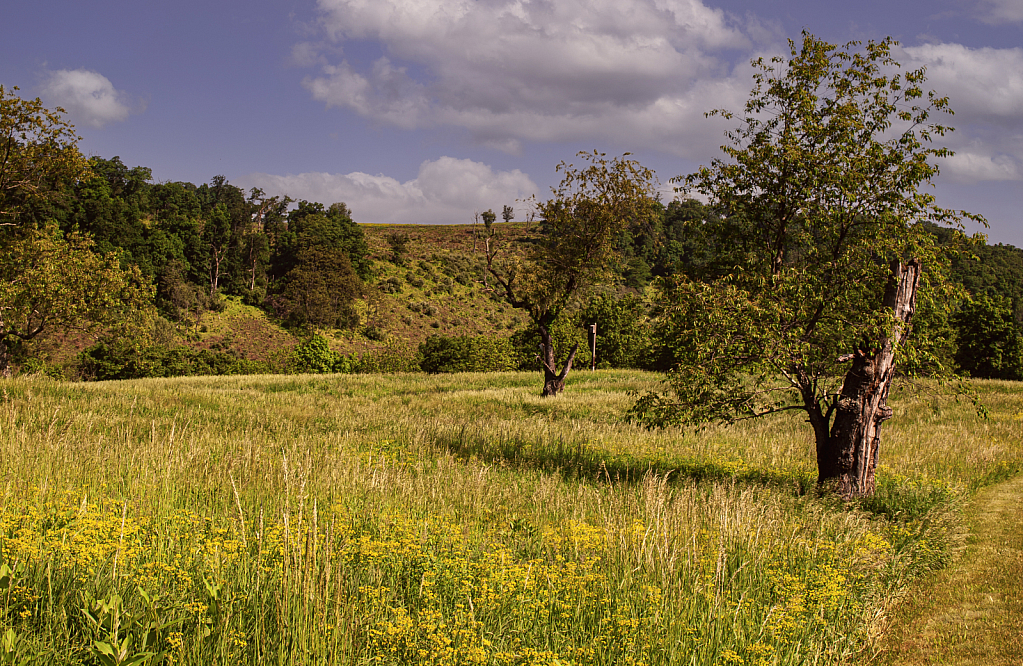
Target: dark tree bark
[847,455]
[553,381]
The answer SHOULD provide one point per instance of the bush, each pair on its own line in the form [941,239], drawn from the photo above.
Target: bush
[396,356]
[989,343]
[111,360]
[391,285]
[315,356]
[622,332]
[467,354]
[398,243]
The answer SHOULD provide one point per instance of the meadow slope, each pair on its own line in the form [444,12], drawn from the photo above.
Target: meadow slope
[460,519]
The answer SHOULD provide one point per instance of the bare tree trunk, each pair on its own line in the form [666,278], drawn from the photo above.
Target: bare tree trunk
[215,274]
[848,457]
[553,381]
[252,258]
[5,359]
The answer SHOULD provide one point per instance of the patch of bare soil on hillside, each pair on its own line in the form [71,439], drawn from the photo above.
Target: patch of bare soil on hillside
[971,613]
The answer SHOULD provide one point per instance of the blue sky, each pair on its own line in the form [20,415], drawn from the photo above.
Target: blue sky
[422,111]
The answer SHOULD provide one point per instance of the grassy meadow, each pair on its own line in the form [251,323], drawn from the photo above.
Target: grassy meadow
[457,519]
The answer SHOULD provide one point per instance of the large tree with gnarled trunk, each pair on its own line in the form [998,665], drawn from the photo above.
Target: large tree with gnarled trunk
[823,213]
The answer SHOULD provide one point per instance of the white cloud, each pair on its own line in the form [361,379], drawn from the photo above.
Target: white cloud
[89,97]
[995,12]
[982,84]
[971,167]
[445,191]
[637,72]
[985,89]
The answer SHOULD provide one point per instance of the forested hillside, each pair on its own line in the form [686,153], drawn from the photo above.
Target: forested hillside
[210,279]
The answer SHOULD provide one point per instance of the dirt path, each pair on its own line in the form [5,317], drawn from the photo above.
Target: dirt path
[971,613]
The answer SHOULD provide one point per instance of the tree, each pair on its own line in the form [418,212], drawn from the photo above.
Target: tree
[216,235]
[507,214]
[267,215]
[321,289]
[332,227]
[489,217]
[579,229]
[52,283]
[38,156]
[398,242]
[989,343]
[823,227]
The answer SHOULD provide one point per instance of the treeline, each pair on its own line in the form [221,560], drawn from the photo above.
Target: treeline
[306,264]
[197,243]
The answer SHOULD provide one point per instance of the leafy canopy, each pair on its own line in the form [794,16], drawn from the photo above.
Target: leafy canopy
[821,190]
[38,154]
[580,226]
[49,282]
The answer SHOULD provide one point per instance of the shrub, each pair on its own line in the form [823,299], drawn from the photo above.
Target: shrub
[392,285]
[112,360]
[990,345]
[398,242]
[467,354]
[396,356]
[314,355]
[622,331]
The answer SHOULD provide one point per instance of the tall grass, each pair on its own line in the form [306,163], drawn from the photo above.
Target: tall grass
[455,519]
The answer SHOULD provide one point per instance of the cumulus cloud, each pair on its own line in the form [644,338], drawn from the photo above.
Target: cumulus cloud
[985,89]
[970,167]
[638,72]
[445,191]
[982,84]
[89,97]
[995,12]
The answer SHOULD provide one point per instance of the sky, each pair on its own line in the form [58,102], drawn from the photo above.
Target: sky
[426,111]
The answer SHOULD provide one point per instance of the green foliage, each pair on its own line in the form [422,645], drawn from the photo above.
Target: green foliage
[395,356]
[623,335]
[117,359]
[311,225]
[466,353]
[565,333]
[124,635]
[321,289]
[315,356]
[49,282]
[580,224]
[823,190]
[489,217]
[989,342]
[39,158]
[182,300]
[108,204]
[398,242]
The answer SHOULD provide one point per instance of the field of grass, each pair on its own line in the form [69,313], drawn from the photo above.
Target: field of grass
[458,519]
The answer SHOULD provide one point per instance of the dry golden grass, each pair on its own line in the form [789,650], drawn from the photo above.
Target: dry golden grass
[457,519]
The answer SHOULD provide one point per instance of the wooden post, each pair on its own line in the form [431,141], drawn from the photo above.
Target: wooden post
[592,328]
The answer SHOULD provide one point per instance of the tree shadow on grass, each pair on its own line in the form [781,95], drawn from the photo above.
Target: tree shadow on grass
[897,498]
[576,460]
